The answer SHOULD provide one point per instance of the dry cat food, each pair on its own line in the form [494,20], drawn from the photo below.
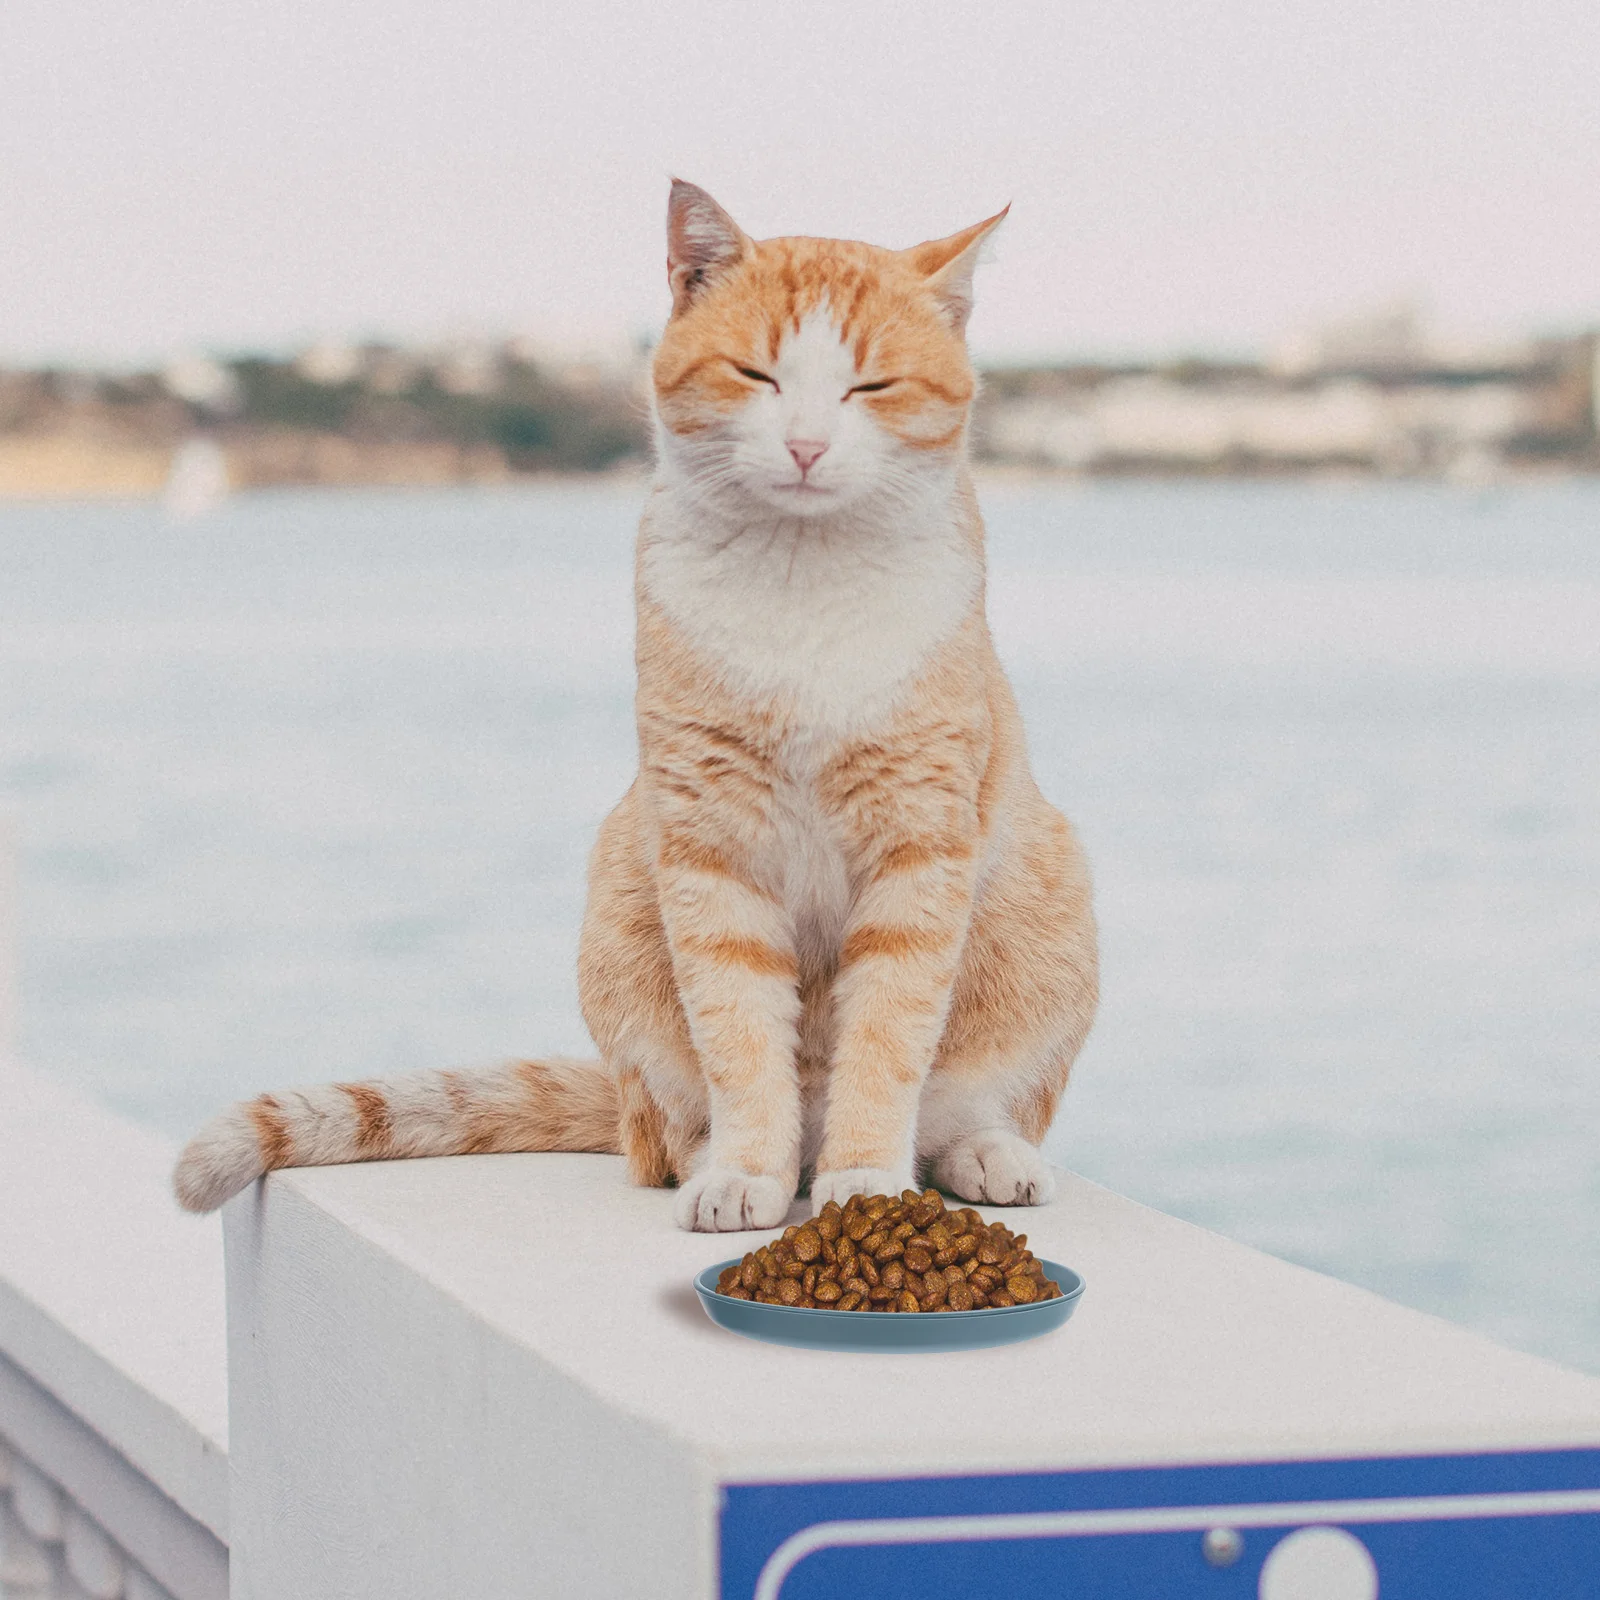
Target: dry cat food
[882,1253]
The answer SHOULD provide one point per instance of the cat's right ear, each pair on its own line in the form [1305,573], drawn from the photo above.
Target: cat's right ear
[702,241]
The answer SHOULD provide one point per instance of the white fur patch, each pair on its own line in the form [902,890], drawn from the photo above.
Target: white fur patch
[839,1186]
[831,615]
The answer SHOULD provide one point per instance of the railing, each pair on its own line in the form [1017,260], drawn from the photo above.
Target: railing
[52,1548]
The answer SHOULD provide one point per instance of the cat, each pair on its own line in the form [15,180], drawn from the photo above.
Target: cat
[833,929]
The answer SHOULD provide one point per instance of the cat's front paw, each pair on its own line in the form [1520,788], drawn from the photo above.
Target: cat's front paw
[847,1181]
[725,1200]
[997,1166]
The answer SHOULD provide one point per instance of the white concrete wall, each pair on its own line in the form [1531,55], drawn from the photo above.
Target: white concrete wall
[489,1377]
[395,1440]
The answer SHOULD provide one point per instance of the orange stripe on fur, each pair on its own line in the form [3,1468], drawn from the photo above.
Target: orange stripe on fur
[683,850]
[912,856]
[895,943]
[272,1132]
[373,1128]
[754,955]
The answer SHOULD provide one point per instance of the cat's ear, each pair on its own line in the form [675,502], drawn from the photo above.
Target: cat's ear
[702,240]
[948,266]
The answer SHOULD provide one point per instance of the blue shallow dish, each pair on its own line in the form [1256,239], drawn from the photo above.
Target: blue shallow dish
[864,1330]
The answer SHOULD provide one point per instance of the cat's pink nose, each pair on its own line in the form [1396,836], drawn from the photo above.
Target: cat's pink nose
[807,452]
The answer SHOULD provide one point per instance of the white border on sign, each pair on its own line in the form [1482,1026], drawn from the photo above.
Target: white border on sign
[1157,1519]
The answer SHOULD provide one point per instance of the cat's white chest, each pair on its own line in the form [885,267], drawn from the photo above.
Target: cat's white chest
[805,854]
[831,621]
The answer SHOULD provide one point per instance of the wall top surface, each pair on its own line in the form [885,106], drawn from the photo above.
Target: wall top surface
[1187,1346]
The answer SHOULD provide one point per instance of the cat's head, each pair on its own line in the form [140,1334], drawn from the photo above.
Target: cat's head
[805,375]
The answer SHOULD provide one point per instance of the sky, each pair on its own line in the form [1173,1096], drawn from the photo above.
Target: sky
[180,175]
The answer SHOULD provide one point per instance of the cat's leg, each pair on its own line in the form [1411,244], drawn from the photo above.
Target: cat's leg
[1021,1009]
[897,963]
[629,996]
[687,976]
[737,980]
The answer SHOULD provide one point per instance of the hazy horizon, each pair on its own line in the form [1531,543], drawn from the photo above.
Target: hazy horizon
[1195,179]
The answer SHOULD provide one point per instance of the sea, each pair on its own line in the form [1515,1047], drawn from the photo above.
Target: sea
[304,787]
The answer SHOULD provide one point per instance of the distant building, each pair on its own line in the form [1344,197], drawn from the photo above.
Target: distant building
[203,383]
[1371,394]
[331,362]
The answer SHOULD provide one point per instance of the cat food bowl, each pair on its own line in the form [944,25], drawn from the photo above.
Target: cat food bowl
[816,1329]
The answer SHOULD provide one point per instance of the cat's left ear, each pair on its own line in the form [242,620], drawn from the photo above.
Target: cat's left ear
[948,266]
[702,240]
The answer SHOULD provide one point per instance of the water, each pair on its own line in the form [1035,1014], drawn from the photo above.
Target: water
[306,788]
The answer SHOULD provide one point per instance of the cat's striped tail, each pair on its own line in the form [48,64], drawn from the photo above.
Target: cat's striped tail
[554,1104]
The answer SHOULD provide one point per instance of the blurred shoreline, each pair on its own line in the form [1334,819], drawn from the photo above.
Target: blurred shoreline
[1377,396]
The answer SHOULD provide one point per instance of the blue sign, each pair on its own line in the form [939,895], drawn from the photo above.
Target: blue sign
[1505,1526]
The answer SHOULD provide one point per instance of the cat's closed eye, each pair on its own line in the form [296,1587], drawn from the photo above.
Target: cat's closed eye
[756,377]
[873,387]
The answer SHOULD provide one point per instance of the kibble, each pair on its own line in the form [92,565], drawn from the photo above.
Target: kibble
[882,1253]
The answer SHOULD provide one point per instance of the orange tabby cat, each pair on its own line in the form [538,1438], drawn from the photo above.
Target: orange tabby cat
[833,928]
